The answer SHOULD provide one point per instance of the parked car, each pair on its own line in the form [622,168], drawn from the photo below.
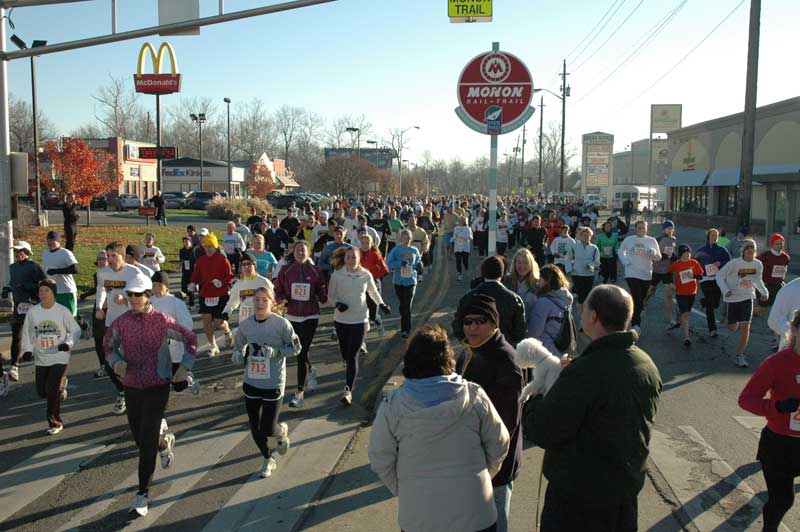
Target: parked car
[99,202]
[284,200]
[124,202]
[52,201]
[171,201]
[200,199]
[183,196]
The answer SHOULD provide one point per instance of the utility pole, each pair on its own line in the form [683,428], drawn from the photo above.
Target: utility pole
[564,94]
[522,165]
[748,133]
[541,133]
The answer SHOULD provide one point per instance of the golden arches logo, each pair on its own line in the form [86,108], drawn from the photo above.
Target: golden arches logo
[157,83]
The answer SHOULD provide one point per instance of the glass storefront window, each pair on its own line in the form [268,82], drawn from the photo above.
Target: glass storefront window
[690,199]
[726,206]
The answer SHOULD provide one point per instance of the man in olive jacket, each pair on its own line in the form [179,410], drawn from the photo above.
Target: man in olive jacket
[509,304]
[595,424]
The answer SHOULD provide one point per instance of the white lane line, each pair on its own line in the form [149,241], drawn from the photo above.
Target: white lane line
[754,424]
[276,503]
[40,473]
[713,495]
[196,452]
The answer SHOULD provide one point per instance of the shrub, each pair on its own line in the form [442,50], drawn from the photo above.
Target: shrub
[224,209]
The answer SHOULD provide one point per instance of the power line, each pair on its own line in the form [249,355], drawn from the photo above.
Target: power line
[610,36]
[642,42]
[596,35]
[676,65]
[590,32]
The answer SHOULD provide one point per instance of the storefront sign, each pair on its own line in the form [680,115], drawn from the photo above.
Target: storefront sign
[157,83]
[665,117]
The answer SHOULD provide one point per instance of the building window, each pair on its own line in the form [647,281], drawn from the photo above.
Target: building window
[690,199]
[727,201]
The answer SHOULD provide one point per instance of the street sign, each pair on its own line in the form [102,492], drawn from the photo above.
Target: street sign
[158,152]
[494,93]
[469,10]
[157,83]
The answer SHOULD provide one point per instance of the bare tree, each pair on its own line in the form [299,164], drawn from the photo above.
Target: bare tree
[253,131]
[144,127]
[20,122]
[87,131]
[184,133]
[337,136]
[308,153]
[118,107]
[289,120]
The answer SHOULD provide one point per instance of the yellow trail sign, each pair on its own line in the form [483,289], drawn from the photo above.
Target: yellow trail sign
[469,8]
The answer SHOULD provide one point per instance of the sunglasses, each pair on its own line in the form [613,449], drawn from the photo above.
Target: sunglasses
[135,294]
[476,321]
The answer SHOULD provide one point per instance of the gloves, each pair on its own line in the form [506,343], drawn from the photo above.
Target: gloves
[217,283]
[385,308]
[237,357]
[27,354]
[63,347]
[342,307]
[225,316]
[120,368]
[192,287]
[788,405]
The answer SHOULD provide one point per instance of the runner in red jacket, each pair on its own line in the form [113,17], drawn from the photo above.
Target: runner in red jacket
[372,260]
[212,272]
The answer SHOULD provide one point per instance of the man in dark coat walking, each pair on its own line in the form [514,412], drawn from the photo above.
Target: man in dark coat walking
[71,216]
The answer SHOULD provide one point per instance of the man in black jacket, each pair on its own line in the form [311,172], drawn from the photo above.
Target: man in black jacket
[159,203]
[595,423]
[277,239]
[536,236]
[490,363]
[71,216]
[509,305]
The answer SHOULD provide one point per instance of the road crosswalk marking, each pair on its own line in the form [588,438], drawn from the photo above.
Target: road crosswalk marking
[754,424]
[40,473]
[276,503]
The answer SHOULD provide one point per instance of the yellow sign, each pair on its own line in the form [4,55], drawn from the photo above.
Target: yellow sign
[469,8]
[157,83]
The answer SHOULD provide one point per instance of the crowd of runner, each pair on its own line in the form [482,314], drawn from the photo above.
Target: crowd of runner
[551,278]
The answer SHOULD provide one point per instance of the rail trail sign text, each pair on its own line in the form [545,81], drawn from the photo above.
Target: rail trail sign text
[469,10]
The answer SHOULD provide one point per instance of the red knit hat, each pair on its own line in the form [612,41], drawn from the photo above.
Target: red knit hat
[774,237]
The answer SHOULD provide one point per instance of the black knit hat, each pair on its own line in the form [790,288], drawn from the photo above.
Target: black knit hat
[482,305]
[492,268]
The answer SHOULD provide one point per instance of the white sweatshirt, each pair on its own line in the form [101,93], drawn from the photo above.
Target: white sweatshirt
[175,309]
[152,257]
[242,293]
[787,302]
[45,329]
[740,278]
[351,288]
[561,248]
[637,254]
[110,283]
[462,239]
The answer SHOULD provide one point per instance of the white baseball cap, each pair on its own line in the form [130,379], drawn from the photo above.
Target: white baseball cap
[139,283]
[203,231]
[23,245]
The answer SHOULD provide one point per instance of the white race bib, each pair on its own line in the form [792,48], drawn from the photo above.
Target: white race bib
[301,291]
[640,252]
[245,311]
[711,269]
[257,367]
[23,308]
[779,272]
[794,421]
[406,272]
[745,284]
[687,276]
[187,265]
[48,343]
[460,242]
[212,301]
[607,250]
[668,251]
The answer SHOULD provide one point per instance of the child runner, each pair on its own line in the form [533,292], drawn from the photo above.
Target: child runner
[686,271]
[244,289]
[150,254]
[49,332]
[736,281]
[263,342]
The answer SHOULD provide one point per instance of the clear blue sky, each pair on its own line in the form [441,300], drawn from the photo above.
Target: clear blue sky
[398,61]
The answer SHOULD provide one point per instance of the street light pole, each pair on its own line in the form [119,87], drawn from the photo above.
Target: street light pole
[230,169]
[200,118]
[564,95]
[400,157]
[541,131]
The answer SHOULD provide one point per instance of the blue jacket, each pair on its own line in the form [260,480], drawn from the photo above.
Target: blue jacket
[544,323]
[708,254]
[400,257]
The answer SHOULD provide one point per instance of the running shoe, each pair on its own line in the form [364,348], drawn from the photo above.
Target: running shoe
[673,325]
[100,373]
[64,385]
[13,373]
[420,278]
[283,439]
[213,350]
[229,339]
[5,384]
[404,335]
[740,361]
[713,334]
[193,384]
[311,381]
[119,405]
[140,505]
[687,343]
[334,337]
[297,400]
[268,467]
[347,397]
[363,348]
[460,277]
[52,431]
[167,454]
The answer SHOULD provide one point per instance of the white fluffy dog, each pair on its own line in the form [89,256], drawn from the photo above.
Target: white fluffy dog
[546,367]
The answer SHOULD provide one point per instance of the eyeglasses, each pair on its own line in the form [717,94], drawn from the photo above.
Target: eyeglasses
[135,294]
[476,321]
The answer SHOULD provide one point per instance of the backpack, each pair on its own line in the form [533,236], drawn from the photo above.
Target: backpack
[567,336]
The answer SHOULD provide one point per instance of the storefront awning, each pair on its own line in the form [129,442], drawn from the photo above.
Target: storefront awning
[691,178]
[788,170]
[724,177]
[730,177]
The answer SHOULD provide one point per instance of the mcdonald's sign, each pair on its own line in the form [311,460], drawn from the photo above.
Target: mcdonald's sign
[157,83]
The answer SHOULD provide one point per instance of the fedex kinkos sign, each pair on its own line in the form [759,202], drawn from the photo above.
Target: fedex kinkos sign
[157,83]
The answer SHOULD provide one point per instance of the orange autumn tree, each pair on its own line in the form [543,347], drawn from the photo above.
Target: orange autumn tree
[259,181]
[78,169]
